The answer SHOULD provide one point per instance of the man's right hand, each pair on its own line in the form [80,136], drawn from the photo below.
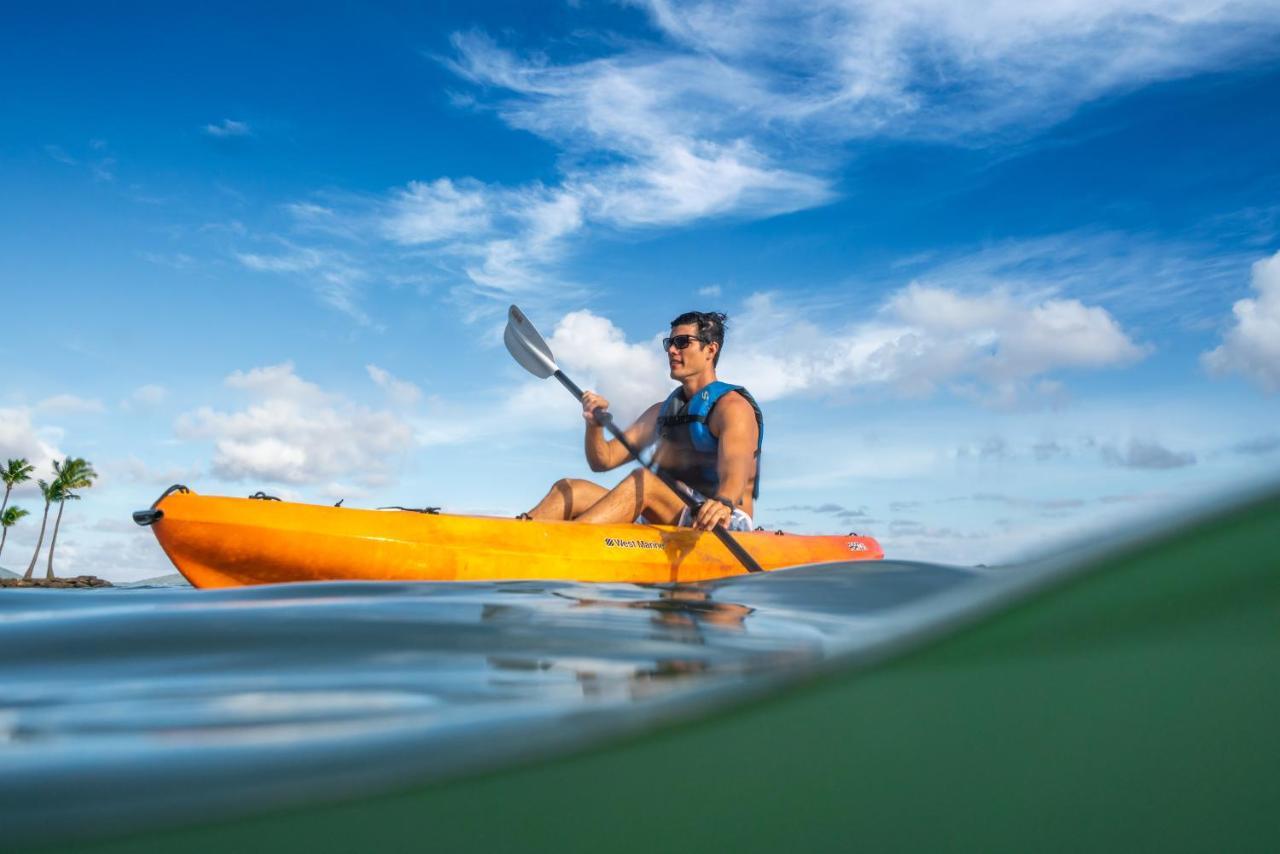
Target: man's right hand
[590,403]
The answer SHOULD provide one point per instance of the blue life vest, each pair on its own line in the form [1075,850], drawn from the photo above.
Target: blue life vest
[684,427]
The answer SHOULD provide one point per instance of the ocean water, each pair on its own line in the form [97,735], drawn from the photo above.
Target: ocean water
[132,708]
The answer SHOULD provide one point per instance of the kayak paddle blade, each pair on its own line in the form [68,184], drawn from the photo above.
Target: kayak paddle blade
[526,346]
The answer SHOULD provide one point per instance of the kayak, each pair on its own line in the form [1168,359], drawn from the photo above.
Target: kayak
[228,542]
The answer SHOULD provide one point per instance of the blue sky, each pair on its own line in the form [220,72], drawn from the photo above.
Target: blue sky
[1001,277]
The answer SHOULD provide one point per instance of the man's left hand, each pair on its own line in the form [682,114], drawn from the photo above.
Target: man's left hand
[710,514]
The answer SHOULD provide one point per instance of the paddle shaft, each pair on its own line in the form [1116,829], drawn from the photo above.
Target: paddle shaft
[605,420]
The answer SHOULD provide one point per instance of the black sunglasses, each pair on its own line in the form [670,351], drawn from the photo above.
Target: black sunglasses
[681,341]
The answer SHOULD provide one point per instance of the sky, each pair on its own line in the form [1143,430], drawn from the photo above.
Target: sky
[1002,277]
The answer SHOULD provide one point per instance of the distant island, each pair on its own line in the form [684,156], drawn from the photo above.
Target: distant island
[173,579]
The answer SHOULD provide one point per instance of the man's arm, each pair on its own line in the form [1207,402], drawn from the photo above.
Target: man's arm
[734,423]
[604,453]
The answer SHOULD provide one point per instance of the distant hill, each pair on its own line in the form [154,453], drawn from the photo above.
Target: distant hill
[171,580]
[5,573]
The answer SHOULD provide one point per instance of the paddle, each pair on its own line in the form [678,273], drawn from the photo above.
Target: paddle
[527,347]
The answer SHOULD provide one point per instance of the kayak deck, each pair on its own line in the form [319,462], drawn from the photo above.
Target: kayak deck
[227,542]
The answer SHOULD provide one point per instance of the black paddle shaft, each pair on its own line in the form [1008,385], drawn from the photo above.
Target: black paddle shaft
[605,420]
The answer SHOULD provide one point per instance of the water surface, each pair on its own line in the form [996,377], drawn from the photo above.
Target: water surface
[130,708]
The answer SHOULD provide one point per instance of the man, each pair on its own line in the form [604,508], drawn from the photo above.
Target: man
[709,436]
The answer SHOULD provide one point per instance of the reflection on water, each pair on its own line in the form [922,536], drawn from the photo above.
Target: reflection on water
[124,707]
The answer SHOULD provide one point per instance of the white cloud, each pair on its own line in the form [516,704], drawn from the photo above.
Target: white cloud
[924,337]
[227,128]
[69,404]
[294,432]
[1012,339]
[401,392]
[991,346]
[1252,346]
[429,212]
[21,439]
[594,351]
[145,397]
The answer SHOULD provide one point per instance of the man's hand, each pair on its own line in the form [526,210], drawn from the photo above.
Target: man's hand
[710,514]
[590,403]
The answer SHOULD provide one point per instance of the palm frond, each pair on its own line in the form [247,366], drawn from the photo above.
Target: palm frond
[16,471]
[11,515]
[75,473]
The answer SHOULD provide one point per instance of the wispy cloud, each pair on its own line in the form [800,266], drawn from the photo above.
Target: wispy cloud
[174,261]
[228,128]
[70,404]
[938,69]
[1252,346]
[332,274]
[734,110]
[134,470]
[738,110]
[59,154]
[401,392]
[145,397]
[1257,446]
[1137,275]
[100,164]
[1146,454]
[839,511]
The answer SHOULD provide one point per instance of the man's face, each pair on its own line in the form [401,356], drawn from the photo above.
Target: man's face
[694,358]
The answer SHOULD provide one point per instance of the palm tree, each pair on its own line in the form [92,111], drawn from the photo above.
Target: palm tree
[50,491]
[73,473]
[8,517]
[15,472]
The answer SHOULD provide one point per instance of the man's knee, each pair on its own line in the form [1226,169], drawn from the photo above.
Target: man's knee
[643,477]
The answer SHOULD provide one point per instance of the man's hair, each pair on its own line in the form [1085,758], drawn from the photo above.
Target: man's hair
[710,328]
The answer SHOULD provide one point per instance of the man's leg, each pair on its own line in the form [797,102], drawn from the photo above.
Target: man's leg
[640,492]
[567,499]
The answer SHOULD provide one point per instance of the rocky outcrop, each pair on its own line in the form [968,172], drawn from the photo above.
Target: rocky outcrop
[80,581]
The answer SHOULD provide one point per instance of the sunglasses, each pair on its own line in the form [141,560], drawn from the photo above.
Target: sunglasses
[680,341]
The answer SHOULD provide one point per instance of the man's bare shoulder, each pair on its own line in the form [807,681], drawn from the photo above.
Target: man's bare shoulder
[733,407]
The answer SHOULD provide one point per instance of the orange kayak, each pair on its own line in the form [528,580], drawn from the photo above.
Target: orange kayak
[228,542]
